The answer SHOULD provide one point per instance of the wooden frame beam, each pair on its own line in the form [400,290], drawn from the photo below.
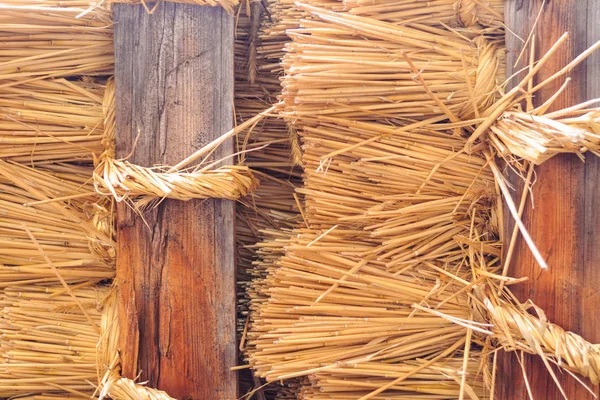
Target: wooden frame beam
[565,223]
[175,266]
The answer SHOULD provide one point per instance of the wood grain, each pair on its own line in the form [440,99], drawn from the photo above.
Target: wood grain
[565,221]
[175,264]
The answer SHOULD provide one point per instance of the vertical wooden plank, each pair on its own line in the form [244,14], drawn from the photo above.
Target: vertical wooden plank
[175,266]
[565,222]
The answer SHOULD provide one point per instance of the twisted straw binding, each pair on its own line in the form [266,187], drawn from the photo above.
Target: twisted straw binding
[122,180]
[515,329]
[538,138]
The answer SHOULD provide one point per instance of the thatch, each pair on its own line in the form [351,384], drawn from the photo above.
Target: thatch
[48,346]
[403,218]
[381,277]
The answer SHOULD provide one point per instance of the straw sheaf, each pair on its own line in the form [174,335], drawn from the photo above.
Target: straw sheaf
[42,332]
[62,210]
[358,68]
[484,15]
[51,120]
[40,41]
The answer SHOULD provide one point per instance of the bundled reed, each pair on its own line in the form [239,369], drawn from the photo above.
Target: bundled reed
[41,40]
[51,120]
[48,347]
[59,205]
[489,14]
[358,68]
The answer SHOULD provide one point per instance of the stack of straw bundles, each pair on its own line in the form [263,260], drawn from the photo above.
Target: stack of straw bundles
[57,231]
[271,148]
[382,233]
[403,226]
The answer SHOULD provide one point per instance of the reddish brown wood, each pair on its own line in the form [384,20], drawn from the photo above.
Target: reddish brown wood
[175,266]
[565,223]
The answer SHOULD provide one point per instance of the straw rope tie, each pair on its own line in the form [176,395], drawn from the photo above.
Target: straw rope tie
[123,180]
[484,83]
[466,12]
[535,335]
[126,181]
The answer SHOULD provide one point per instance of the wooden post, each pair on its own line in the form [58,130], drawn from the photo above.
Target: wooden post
[175,265]
[565,223]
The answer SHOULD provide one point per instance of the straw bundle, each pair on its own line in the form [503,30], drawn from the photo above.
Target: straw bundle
[48,345]
[51,120]
[355,67]
[51,42]
[454,13]
[63,212]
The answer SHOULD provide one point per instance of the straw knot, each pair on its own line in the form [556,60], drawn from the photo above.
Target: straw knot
[483,85]
[466,12]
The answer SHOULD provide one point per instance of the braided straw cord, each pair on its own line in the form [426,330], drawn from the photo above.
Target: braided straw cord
[122,180]
[516,329]
[118,388]
[126,181]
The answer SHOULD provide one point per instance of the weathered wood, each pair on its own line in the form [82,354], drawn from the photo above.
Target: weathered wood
[565,223]
[175,266]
